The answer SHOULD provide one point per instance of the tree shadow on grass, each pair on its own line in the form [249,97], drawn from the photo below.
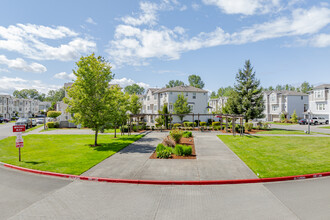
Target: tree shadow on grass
[252,136]
[34,162]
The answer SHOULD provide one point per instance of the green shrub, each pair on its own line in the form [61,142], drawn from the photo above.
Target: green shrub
[56,125]
[238,128]
[216,123]
[53,114]
[265,125]
[176,125]
[124,128]
[258,127]
[160,147]
[50,124]
[217,128]
[203,123]
[248,126]
[187,134]
[185,124]
[158,125]
[182,150]
[134,128]
[209,121]
[176,135]
[166,153]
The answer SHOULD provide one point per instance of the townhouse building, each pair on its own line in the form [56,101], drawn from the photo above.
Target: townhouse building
[217,104]
[155,99]
[65,117]
[11,106]
[278,102]
[319,101]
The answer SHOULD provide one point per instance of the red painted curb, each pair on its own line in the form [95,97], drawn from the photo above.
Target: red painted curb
[170,182]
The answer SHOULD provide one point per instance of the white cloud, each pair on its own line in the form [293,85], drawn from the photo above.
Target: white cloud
[246,7]
[135,46]
[91,21]
[8,85]
[22,65]
[64,75]
[4,70]
[195,6]
[29,40]
[123,82]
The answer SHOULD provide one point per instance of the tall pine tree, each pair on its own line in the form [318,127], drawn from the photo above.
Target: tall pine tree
[247,97]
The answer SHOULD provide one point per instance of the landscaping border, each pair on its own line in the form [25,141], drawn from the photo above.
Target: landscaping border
[168,182]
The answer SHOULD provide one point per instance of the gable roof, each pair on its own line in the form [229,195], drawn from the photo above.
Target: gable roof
[323,86]
[181,89]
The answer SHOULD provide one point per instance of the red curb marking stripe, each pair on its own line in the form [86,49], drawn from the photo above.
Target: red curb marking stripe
[170,182]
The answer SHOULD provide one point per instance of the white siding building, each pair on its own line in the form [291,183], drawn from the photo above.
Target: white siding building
[65,117]
[217,104]
[10,106]
[278,102]
[319,101]
[154,100]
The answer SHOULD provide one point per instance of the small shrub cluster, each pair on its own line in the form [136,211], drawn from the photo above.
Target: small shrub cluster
[176,135]
[176,125]
[182,150]
[203,123]
[53,124]
[216,123]
[187,134]
[248,126]
[163,152]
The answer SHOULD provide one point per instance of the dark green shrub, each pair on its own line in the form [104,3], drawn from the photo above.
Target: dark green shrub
[56,125]
[217,128]
[187,134]
[134,128]
[209,121]
[182,150]
[124,128]
[203,123]
[166,153]
[176,135]
[216,123]
[160,147]
[50,124]
[196,121]
[238,129]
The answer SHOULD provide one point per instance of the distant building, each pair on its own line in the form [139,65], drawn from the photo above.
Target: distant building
[319,101]
[65,117]
[155,99]
[278,102]
[217,104]
[24,108]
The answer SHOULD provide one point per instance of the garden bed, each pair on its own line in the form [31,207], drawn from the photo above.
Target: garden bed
[186,141]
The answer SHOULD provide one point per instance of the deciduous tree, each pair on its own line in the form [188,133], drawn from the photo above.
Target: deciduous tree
[174,83]
[181,106]
[134,89]
[196,81]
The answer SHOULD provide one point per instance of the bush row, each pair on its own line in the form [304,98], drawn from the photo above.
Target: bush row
[179,150]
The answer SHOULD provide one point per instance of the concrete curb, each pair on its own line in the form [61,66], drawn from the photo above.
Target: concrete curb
[168,182]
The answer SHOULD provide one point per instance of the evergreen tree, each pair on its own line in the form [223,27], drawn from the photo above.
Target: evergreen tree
[181,106]
[247,97]
[294,117]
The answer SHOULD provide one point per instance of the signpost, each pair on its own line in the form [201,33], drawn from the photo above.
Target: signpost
[19,140]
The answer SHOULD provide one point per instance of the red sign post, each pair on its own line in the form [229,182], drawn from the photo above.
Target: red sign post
[19,140]
[18,128]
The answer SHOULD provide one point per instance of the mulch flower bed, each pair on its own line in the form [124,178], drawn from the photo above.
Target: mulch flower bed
[185,141]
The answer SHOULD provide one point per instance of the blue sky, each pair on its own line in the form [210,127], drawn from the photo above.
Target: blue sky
[152,42]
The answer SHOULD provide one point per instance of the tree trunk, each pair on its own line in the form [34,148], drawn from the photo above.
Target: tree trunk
[115,131]
[96,132]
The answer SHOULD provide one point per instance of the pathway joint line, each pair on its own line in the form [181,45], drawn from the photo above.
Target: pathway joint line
[168,182]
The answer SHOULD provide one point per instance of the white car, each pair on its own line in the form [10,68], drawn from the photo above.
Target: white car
[319,120]
[40,121]
[34,122]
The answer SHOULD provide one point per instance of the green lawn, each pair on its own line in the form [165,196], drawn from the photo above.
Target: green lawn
[327,127]
[279,123]
[282,131]
[70,154]
[105,131]
[281,156]
[33,128]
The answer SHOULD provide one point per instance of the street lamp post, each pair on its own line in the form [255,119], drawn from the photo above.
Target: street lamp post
[44,119]
[309,120]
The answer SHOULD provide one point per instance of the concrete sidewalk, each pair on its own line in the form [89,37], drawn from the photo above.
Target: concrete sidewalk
[215,161]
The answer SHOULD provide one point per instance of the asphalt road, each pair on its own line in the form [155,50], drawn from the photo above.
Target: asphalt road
[6,129]
[30,196]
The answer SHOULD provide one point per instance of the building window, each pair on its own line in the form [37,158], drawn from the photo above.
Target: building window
[155,108]
[148,107]
[170,107]
[191,107]
[186,93]
[148,98]
[320,107]
[194,95]
[319,94]
[274,108]
[272,98]
[155,96]
[302,97]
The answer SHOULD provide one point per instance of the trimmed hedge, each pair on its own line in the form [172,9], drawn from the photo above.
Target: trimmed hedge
[182,150]
[203,123]
[187,134]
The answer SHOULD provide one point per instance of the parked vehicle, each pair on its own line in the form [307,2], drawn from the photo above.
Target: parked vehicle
[40,121]
[302,121]
[319,120]
[34,122]
[14,118]
[24,121]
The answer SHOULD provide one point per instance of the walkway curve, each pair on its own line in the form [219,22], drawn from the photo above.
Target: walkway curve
[169,182]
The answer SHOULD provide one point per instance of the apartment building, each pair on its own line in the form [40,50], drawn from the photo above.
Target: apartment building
[319,101]
[10,106]
[154,100]
[65,117]
[217,104]
[278,102]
